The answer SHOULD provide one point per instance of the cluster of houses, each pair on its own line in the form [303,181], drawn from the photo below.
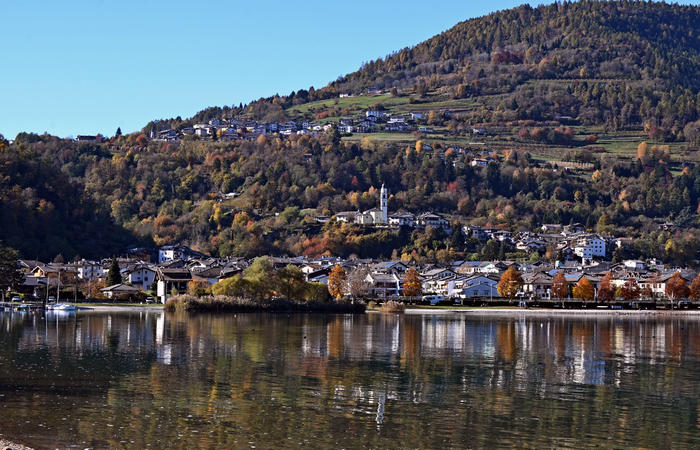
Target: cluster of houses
[375,120]
[173,267]
[237,129]
[567,240]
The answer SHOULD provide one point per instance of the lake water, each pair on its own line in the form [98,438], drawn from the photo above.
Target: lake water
[155,380]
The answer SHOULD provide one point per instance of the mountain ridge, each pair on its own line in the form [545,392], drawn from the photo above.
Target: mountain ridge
[654,47]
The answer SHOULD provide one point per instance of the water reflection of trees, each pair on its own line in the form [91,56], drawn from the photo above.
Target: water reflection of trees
[376,379]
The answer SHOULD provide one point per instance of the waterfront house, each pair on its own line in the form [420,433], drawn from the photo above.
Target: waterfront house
[120,290]
[384,285]
[475,286]
[140,276]
[169,279]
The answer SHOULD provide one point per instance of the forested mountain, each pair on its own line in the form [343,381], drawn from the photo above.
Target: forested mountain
[624,64]
[611,68]
[44,211]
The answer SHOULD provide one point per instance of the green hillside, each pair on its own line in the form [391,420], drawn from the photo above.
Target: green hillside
[616,70]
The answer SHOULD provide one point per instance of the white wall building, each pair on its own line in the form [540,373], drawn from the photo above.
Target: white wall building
[589,247]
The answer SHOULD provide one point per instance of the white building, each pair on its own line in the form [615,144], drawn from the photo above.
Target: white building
[384,285]
[402,219]
[479,286]
[88,270]
[375,113]
[141,276]
[432,220]
[590,246]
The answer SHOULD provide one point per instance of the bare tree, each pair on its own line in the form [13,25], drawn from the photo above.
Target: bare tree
[357,283]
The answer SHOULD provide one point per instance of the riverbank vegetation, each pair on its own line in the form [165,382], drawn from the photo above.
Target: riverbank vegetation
[223,303]
[393,306]
[262,288]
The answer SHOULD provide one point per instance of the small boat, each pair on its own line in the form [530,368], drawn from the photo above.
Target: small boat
[23,307]
[64,307]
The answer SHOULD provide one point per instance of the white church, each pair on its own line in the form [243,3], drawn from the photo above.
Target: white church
[380,216]
[374,216]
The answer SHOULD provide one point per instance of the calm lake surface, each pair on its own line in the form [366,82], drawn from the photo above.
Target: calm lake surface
[156,380]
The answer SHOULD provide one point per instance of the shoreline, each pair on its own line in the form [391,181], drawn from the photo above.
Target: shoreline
[117,308]
[559,312]
[458,311]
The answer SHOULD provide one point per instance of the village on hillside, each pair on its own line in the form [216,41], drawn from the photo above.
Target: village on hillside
[230,129]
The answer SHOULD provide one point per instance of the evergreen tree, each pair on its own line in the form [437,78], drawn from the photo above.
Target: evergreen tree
[119,132]
[10,275]
[114,275]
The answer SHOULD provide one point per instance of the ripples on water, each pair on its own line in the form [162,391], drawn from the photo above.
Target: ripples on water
[151,380]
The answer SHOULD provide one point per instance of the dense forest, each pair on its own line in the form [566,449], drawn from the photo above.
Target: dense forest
[622,64]
[57,195]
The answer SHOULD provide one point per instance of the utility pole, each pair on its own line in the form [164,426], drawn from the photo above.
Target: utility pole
[46,297]
[58,288]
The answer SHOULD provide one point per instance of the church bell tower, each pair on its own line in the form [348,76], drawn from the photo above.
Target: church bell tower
[383,204]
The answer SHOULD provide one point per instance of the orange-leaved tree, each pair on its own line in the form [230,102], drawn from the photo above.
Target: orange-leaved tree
[411,283]
[695,287]
[584,289]
[510,283]
[559,287]
[336,282]
[606,291]
[676,286]
[630,290]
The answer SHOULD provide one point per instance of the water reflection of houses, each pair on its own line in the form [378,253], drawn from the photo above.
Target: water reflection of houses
[547,352]
[368,363]
[81,333]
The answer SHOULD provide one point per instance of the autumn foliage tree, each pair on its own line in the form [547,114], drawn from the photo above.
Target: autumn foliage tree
[560,288]
[676,287]
[630,290]
[411,283]
[695,288]
[584,289]
[336,282]
[606,291]
[198,288]
[510,283]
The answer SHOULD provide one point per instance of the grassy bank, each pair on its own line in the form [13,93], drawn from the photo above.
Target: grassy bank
[221,303]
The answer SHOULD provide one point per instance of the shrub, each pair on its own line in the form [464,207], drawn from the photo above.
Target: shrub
[222,303]
[393,306]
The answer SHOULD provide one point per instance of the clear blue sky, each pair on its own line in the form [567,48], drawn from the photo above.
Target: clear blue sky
[87,67]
